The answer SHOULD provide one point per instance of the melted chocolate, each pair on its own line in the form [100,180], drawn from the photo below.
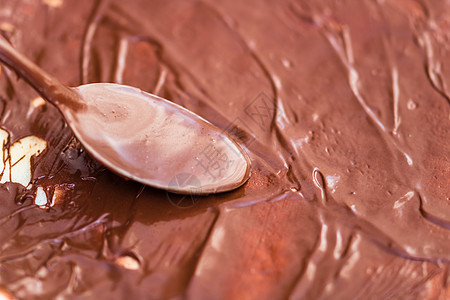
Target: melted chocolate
[343,108]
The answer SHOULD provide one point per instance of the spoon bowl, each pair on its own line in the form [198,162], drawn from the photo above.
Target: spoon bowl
[141,136]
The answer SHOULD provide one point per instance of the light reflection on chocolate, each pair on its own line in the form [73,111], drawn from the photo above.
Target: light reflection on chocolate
[349,194]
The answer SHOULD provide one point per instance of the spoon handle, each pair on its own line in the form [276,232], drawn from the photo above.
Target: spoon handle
[46,85]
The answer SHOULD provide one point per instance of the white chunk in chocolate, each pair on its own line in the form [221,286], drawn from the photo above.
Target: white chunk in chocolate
[16,163]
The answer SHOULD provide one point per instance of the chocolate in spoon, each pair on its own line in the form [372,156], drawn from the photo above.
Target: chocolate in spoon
[139,135]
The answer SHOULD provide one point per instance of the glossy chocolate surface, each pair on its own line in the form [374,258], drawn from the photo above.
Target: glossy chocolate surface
[343,107]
